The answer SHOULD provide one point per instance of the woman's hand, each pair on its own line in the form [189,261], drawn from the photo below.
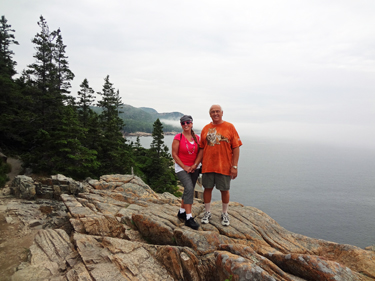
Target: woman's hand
[187,169]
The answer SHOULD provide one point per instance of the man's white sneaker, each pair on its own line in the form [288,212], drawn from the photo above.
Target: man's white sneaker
[224,219]
[206,217]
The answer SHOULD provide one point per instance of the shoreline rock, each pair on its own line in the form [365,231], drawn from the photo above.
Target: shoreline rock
[122,230]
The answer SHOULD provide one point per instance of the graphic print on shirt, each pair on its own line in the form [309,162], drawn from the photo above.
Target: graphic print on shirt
[214,138]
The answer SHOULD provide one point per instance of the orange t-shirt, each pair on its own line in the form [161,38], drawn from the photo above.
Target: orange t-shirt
[217,142]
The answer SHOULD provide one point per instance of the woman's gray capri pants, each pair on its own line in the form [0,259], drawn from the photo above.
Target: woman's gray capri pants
[188,180]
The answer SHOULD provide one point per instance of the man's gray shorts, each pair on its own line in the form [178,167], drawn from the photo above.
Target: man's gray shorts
[188,180]
[222,182]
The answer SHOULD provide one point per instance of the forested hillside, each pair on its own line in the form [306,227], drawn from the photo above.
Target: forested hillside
[141,119]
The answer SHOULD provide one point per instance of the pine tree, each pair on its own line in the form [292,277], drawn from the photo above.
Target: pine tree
[140,158]
[85,101]
[63,74]
[38,83]
[87,117]
[10,98]
[158,169]
[110,103]
[7,38]
[157,143]
[57,136]
[71,158]
[50,77]
[115,154]
[43,71]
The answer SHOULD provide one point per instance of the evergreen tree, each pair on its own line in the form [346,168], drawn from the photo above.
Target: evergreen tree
[62,151]
[110,103]
[114,154]
[71,158]
[10,99]
[43,70]
[58,138]
[158,168]
[38,83]
[85,101]
[7,38]
[27,119]
[138,142]
[63,74]
[140,158]
[87,117]
[157,143]
[50,76]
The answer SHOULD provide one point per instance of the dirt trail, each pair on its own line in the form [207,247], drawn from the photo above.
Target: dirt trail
[14,241]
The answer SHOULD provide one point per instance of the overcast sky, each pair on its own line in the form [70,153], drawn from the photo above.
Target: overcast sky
[294,69]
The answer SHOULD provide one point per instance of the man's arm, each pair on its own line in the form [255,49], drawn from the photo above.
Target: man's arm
[198,159]
[235,158]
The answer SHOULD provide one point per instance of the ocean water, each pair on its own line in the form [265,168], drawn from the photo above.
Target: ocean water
[317,190]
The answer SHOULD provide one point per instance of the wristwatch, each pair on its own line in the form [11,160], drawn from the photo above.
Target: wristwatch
[236,167]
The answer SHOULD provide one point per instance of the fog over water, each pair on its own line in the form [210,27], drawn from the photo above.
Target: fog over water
[321,191]
[352,137]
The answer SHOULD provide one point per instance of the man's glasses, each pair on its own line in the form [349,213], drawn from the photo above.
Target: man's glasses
[187,123]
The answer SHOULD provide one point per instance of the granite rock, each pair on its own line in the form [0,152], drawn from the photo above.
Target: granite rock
[122,230]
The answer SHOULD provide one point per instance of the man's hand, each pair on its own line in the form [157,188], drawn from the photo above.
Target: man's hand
[236,156]
[233,173]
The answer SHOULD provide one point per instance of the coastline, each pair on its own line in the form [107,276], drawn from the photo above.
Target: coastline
[143,134]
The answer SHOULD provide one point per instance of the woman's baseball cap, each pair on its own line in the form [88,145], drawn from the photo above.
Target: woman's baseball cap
[186,118]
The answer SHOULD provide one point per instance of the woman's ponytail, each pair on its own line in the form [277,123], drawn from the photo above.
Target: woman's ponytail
[194,137]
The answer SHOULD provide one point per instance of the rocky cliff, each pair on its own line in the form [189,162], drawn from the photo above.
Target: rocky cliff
[122,230]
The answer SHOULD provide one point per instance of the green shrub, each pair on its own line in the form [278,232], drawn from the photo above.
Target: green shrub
[5,168]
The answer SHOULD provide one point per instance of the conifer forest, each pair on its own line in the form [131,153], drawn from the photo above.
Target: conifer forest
[55,133]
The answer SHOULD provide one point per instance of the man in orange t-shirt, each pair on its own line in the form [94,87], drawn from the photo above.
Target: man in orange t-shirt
[220,149]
